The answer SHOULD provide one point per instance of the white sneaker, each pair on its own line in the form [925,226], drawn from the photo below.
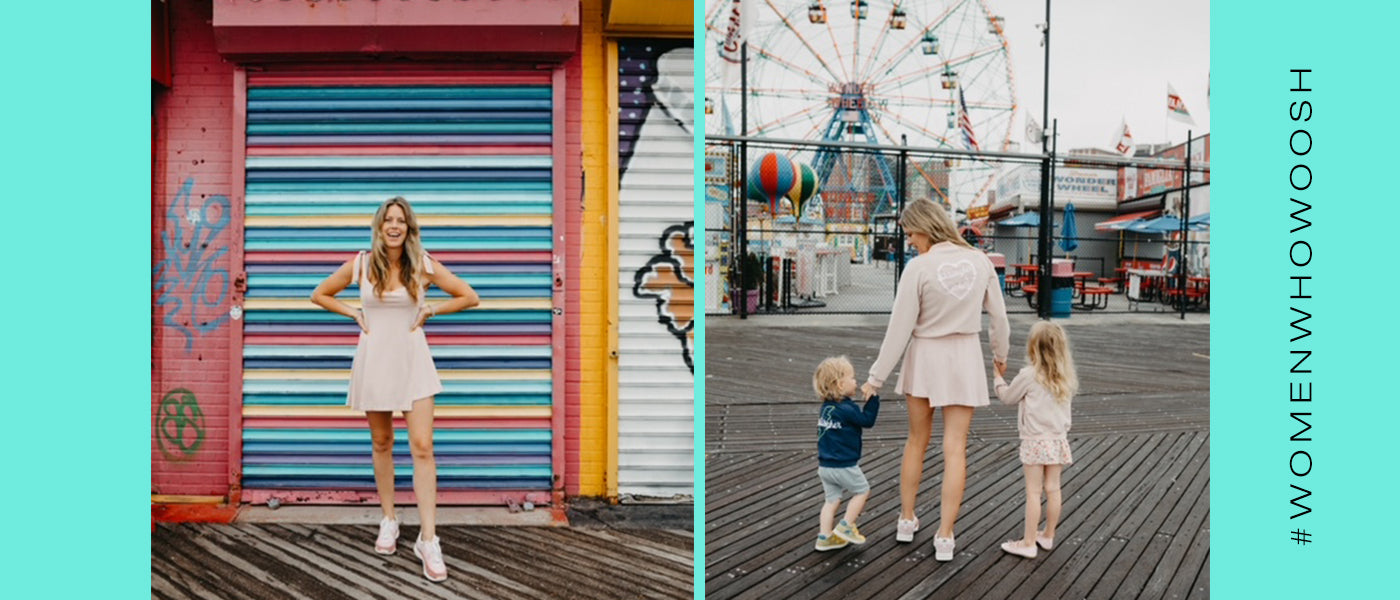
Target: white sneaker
[904,530]
[388,536]
[942,549]
[431,555]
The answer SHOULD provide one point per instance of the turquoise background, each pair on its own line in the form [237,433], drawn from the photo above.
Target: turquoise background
[1350,49]
[78,166]
[76,302]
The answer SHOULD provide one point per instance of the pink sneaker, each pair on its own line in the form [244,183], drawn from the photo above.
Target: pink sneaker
[904,530]
[943,548]
[388,536]
[1015,547]
[1044,542]
[431,555]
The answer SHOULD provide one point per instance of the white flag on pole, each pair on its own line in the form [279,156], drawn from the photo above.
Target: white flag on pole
[1176,108]
[1033,131]
[736,30]
[731,52]
[1125,145]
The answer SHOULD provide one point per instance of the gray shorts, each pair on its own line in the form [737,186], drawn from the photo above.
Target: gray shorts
[844,479]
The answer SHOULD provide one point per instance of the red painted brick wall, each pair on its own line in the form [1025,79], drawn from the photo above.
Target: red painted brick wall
[193,234]
[194,237]
[573,232]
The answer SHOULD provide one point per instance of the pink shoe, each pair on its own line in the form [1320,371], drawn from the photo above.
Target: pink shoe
[1015,547]
[943,548]
[388,540]
[431,555]
[1044,542]
[904,530]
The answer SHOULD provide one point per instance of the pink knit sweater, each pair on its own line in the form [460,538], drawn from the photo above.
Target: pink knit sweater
[1038,416]
[943,292]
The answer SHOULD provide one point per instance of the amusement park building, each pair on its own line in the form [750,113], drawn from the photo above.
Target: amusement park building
[278,127]
[1101,193]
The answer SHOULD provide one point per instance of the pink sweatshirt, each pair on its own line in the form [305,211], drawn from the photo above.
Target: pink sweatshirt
[943,292]
[1039,416]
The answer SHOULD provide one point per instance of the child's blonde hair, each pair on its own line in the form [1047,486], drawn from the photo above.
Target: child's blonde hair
[1048,351]
[827,380]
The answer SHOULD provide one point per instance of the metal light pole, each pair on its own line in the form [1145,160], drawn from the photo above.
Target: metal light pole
[743,238]
[1043,272]
[1185,216]
[900,191]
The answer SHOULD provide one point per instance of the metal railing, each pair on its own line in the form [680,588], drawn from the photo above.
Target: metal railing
[841,251]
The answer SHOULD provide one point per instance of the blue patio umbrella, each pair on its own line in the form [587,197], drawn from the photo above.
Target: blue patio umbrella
[1070,232]
[1164,225]
[1030,219]
[1202,220]
[1157,225]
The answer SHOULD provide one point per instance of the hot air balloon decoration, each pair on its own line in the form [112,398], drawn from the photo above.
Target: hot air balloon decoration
[770,178]
[804,186]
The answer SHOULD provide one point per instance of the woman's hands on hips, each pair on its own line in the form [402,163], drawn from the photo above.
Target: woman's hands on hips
[360,320]
[424,312]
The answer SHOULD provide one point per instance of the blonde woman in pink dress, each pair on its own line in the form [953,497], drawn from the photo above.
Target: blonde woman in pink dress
[937,315]
[393,369]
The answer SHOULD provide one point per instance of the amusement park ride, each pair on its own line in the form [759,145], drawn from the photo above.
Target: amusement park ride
[934,73]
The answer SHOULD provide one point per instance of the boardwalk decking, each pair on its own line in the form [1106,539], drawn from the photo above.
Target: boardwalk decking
[259,561]
[1136,508]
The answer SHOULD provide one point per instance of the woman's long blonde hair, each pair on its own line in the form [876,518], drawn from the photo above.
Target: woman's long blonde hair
[1048,351]
[923,216]
[410,260]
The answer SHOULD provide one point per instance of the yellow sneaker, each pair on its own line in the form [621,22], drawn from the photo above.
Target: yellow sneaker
[829,542]
[848,532]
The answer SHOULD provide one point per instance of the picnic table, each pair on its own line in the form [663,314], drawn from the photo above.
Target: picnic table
[1024,275]
[1091,297]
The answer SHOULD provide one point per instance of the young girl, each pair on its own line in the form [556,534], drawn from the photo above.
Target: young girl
[1044,390]
[838,450]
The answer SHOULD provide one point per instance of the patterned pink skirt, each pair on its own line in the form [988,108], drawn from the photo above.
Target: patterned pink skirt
[1045,452]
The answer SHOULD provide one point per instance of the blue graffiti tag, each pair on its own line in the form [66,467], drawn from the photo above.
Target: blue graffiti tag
[191,287]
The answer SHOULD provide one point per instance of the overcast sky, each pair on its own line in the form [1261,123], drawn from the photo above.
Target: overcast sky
[1110,59]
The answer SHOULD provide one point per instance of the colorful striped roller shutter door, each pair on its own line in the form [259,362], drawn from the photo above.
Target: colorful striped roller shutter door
[473,155]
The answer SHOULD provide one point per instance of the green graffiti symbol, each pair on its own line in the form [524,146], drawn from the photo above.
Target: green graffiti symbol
[180,424]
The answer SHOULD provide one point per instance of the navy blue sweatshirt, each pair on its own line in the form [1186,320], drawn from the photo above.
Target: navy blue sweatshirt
[838,430]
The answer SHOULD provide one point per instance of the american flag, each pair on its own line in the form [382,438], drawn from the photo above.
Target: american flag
[965,123]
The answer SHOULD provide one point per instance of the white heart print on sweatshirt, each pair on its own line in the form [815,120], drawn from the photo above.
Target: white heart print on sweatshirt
[957,278]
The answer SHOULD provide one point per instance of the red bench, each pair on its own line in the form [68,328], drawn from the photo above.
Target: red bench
[1095,297]
[1115,282]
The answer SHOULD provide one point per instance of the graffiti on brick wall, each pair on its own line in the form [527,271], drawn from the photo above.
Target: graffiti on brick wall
[669,278]
[179,425]
[190,285]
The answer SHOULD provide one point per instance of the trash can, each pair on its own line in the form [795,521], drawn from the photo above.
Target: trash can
[1062,296]
[999,262]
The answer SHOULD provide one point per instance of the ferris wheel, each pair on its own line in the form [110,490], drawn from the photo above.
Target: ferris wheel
[933,72]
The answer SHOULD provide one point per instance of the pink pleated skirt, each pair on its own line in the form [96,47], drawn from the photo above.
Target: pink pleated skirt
[947,370]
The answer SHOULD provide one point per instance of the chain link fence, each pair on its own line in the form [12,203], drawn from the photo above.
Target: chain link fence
[840,250]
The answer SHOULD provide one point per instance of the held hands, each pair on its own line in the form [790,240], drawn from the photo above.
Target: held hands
[1000,366]
[867,390]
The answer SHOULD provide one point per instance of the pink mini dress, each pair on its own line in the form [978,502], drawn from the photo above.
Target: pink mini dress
[393,367]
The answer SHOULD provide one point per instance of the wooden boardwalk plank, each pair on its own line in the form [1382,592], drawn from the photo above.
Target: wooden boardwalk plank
[1134,521]
[336,561]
